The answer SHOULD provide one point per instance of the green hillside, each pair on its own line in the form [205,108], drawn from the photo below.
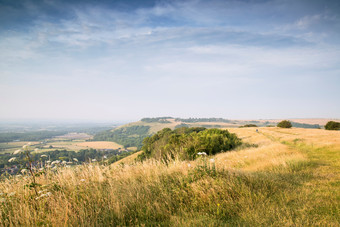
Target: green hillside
[133,134]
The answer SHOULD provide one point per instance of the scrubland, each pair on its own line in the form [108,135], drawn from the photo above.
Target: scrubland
[291,178]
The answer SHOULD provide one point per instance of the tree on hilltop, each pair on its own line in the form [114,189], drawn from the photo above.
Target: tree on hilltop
[284,124]
[332,125]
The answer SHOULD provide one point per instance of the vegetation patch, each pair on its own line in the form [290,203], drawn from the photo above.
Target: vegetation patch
[284,124]
[332,125]
[131,136]
[188,143]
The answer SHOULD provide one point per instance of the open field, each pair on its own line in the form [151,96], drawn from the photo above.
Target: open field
[10,147]
[99,145]
[74,136]
[291,179]
[50,145]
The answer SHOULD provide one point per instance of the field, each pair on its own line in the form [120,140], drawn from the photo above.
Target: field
[99,145]
[290,179]
[10,147]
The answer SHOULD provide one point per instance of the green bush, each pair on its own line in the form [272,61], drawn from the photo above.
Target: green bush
[284,124]
[332,125]
[187,143]
[248,126]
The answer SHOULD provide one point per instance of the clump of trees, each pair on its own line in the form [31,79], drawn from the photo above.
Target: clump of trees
[248,126]
[187,143]
[332,125]
[284,124]
[131,136]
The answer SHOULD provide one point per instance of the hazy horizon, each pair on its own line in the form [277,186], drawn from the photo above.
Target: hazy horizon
[121,60]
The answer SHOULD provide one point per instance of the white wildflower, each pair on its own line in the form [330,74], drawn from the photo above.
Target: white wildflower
[74,159]
[69,162]
[23,171]
[44,195]
[105,157]
[64,162]
[189,165]
[48,161]
[212,160]
[12,159]
[55,162]
[82,180]
[17,151]
[201,153]
[94,160]
[41,169]
[42,191]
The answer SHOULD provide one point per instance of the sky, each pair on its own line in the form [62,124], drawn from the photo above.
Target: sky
[125,60]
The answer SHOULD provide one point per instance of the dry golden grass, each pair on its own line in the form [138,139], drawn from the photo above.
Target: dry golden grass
[99,145]
[129,160]
[290,179]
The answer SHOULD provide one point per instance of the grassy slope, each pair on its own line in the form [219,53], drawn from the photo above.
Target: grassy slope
[292,178]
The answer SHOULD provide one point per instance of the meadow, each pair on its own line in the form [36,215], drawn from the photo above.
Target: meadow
[291,178]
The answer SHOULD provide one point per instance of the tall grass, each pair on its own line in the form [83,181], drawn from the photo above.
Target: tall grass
[221,191]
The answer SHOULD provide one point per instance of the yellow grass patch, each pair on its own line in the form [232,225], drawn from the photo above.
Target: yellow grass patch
[100,145]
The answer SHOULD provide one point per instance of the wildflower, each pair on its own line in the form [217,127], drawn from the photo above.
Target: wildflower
[12,159]
[74,159]
[48,161]
[94,160]
[41,169]
[212,160]
[23,171]
[64,162]
[55,162]
[201,153]
[39,192]
[69,162]
[82,180]
[105,157]
[44,195]
[17,151]
[189,165]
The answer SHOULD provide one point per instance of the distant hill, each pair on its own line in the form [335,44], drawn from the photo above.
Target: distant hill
[133,134]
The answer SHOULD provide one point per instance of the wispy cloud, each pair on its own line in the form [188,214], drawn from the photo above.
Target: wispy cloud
[126,55]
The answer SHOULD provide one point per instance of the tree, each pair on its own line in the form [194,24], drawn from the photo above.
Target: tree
[332,125]
[284,124]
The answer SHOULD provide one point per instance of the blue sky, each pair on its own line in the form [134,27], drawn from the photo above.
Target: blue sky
[124,60]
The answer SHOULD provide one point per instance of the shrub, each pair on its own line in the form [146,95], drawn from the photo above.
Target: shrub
[284,124]
[248,126]
[188,143]
[332,125]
